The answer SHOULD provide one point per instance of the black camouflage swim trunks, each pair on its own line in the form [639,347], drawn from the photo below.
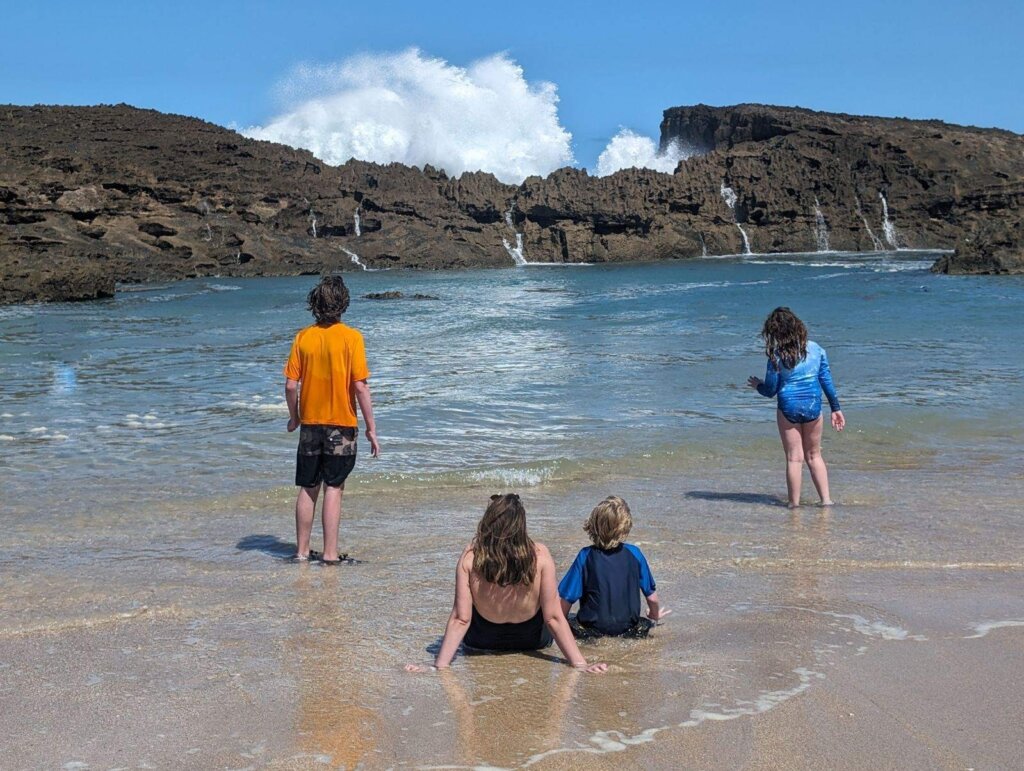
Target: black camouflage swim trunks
[326,454]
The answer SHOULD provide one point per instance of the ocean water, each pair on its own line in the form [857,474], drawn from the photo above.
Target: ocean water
[146,504]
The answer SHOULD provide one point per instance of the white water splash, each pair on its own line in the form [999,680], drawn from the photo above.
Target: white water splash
[874,239]
[629,150]
[820,228]
[359,228]
[355,259]
[730,198]
[515,252]
[888,228]
[982,629]
[414,109]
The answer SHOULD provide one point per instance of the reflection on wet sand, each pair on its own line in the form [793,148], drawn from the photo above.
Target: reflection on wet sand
[333,719]
[501,718]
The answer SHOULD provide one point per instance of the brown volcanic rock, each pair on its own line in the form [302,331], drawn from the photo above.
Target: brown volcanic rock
[93,195]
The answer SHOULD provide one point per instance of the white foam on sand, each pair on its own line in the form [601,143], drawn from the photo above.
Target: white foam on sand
[983,628]
[603,742]
[877,629]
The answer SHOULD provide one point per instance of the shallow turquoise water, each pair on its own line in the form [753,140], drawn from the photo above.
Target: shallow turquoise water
[511,376]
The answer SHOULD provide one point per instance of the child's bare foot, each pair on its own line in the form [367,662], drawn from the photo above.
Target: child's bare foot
[827,503]
[792,505]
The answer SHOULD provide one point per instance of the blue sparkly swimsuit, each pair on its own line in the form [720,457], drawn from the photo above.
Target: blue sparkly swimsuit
[799,389]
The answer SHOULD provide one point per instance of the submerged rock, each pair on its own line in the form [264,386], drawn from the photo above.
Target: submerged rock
[394,294]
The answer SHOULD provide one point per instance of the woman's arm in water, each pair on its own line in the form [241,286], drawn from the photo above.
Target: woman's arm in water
[551,607]
[458,619]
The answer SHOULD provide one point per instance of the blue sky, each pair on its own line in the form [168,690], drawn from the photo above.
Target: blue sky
[615,65]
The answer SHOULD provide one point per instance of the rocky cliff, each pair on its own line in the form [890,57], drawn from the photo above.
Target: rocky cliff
[91,196]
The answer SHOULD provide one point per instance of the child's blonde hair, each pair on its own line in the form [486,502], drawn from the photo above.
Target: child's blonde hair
[609,523]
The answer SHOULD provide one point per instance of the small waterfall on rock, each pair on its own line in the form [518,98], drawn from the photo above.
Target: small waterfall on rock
[355,258]
[876,244]
[888,229]
[729,196]
[820,228]
[515,252]
[209,233]
[703,246]
[359,229]
[312,222]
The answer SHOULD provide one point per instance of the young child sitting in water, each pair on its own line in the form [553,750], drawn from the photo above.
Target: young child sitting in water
[608,577]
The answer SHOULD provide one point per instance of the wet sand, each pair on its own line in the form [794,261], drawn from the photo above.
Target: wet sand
[886,632]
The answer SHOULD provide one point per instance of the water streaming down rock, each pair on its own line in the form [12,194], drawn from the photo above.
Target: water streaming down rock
[209,233]
[312,222]
[515,252]
[888,229]
[729,196]
[703,246]
[355,259]
[359,230]
[876,244]
[820,228]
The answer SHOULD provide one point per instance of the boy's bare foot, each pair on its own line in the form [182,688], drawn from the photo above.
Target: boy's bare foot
[827,503]
[792,505]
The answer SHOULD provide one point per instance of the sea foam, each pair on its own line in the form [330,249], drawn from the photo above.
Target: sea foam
[628,149]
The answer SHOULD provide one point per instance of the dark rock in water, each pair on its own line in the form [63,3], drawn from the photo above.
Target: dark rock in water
[994,247]
[394,294]
[90,196]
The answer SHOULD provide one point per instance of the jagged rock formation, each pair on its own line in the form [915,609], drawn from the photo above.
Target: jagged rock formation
[90,196]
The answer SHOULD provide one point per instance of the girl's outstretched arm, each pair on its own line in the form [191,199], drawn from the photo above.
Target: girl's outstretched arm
[458,620]
[550,605]
[829,388]
[770,385]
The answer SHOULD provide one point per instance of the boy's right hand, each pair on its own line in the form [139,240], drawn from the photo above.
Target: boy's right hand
[658,616]
[293,423]
[374,446]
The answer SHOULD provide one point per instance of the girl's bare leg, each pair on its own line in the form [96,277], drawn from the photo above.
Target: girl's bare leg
[792,443]
[811,435]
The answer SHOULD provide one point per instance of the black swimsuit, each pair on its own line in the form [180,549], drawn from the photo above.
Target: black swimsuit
[529,635]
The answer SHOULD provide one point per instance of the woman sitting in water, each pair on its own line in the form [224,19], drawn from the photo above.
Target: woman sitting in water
[505,593]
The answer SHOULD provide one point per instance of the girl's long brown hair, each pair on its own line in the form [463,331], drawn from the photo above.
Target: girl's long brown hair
[785,338]
[503,553]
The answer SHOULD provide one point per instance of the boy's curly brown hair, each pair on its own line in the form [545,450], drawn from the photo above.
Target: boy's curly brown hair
[328,299]
[609,523]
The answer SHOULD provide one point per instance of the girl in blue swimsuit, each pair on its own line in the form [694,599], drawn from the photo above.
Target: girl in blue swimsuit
[797,373]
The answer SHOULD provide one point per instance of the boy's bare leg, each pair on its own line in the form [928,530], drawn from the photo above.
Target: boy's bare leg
[792,443]
[305,507]
[811,435]
[332,519]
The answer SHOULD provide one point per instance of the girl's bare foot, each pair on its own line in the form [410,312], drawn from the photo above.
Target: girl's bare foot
[827,503]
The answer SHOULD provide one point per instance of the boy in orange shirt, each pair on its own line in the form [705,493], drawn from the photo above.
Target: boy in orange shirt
[329,360]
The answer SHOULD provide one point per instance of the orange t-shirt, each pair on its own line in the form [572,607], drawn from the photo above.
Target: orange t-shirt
[327,361]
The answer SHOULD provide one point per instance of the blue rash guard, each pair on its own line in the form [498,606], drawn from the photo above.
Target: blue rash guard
[799,389]
[607,584]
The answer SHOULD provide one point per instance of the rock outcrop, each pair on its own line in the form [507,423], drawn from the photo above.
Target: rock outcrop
[90,196]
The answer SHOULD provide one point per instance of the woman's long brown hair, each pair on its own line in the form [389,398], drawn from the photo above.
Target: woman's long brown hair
[785,338]
[503,553]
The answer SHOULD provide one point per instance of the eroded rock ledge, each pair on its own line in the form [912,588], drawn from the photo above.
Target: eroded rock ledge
[90,196]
